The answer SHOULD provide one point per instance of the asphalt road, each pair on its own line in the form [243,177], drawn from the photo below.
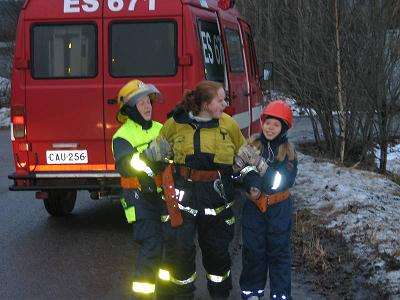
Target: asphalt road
[87,255]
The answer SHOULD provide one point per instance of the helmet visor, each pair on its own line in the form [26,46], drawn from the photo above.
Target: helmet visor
[145,90]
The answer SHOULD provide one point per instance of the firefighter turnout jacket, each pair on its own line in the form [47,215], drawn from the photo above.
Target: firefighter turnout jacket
[203,157]
[141,201]
[203,145]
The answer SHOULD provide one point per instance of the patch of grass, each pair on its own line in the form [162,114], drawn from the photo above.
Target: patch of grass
[324,253]
[394,177]
[392,262]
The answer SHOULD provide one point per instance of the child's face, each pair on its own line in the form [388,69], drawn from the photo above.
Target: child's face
[271,128]
[145,108]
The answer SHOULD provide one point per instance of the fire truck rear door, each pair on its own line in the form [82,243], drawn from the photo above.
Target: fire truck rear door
[142,40]
[64,96]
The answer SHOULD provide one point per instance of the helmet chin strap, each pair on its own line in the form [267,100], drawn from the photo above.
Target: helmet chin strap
[133,114]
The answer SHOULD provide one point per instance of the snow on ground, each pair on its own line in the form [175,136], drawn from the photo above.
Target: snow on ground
[4,111]
[364,207]
[4,84]
[4,117]
[4,90]
[393,159]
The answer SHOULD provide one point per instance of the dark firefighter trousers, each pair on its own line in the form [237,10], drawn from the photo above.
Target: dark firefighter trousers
[266,249]
[147,233]
[215,232]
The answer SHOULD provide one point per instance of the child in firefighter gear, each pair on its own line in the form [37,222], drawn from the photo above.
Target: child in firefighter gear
[204,141]
[140,201]
[268,166]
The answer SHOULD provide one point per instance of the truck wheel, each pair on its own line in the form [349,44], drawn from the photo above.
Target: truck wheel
[60,203]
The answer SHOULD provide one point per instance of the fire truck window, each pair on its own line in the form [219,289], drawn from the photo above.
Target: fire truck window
[143,49]
[213,51]
[252,53]
[64,51]
[234,51]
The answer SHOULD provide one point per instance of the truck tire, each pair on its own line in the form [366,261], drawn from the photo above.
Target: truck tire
[60,203]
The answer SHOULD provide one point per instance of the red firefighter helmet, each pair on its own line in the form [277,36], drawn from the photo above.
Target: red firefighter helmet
[278,109]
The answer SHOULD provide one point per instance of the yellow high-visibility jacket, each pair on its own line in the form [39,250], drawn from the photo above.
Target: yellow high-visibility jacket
[203,145]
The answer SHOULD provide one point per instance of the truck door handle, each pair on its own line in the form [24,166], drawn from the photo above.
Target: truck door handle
[112,101]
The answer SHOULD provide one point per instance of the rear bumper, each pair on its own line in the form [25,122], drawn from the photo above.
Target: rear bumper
[91,181]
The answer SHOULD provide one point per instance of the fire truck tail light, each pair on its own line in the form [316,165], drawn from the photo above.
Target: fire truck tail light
[18,121]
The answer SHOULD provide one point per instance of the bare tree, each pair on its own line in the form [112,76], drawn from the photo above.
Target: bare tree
[342,118]
[9,12]
[337,58]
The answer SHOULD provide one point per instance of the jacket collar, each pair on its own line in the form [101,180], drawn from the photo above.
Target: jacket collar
[182,117]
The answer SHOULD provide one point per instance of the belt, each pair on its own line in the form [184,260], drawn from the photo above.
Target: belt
[198,175]
[267,200]
[133,182]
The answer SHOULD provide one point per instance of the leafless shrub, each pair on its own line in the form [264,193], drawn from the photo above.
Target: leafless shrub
[340,58]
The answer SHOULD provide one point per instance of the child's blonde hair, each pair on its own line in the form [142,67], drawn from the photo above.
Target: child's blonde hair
[285,150]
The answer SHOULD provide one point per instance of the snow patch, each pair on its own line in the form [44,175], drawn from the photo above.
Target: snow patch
[4,117]
[362,206]
[4,111]
[4,84]
[393,158]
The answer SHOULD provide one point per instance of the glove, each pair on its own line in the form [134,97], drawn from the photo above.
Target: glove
[242,159]
[147,184]
[249,156]
[261,165]
[253,194]
[159,150]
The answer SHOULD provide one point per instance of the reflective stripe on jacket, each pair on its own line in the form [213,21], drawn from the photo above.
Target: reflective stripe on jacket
[134,134]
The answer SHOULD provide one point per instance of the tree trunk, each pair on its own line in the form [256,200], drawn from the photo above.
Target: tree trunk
[383,139]
[342,117]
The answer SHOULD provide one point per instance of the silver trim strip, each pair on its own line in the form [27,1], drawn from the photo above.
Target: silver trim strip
[256,112]
[243,118]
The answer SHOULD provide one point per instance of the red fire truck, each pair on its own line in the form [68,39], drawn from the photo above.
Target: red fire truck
[71,58]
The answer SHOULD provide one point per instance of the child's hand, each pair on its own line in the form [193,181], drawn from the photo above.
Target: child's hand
[249,156]
[253,194]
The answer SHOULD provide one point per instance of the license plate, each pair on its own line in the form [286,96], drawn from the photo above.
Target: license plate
[67,157]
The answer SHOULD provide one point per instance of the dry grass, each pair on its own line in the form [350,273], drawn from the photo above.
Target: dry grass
[325,254]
